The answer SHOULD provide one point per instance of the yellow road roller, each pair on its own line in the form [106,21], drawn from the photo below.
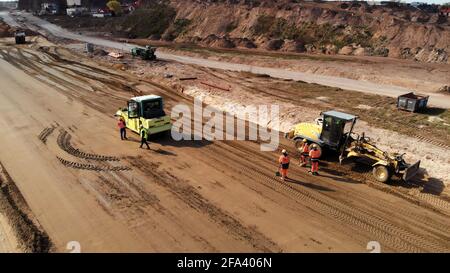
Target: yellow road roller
[147,111]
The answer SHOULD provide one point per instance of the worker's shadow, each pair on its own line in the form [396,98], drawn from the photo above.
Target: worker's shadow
[187,141]
[338,176]
[308,185]
[167,140]
[163,152]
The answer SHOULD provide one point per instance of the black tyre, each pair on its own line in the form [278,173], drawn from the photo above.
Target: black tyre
[381,173]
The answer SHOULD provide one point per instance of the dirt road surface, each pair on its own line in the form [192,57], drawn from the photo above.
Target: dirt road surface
[61,147]
[8,240]
[438,100]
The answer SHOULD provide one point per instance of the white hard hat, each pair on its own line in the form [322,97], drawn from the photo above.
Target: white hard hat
[284,151]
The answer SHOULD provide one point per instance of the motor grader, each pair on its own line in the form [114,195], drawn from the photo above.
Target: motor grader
[334,131]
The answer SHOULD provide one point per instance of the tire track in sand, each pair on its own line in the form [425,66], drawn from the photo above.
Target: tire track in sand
[192,198]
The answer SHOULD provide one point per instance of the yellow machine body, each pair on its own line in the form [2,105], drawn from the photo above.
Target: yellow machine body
[155,120]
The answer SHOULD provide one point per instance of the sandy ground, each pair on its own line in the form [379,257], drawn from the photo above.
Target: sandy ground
[342,81]
[434,159]
[418,77]
[8,240]
[179,196]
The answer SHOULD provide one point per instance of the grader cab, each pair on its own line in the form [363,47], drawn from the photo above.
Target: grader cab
[334,131]
[329,131]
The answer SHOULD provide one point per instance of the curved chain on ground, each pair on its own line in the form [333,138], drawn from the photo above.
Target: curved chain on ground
[64,143]
[46,133]
[91,167]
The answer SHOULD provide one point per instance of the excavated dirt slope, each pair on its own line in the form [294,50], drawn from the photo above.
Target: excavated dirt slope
[350,29]
[344,28]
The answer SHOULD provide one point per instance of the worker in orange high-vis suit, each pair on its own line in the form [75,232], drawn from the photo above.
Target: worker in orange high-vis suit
[304,152]
[314,154]
[122,128]
[284,164]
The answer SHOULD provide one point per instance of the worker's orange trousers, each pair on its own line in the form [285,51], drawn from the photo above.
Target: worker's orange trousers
[314,166]
[303,159]
[283,172]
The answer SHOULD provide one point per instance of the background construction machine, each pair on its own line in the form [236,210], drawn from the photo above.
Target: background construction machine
[19,35]
[334,131]
[147,111]
[147,53]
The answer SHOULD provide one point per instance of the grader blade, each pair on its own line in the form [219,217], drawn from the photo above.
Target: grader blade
[411,171]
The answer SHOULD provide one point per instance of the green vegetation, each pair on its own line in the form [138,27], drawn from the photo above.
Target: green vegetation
[230,27]
[311,33]
[181,24]
[151,20]
[177,28]
[115,7]
[361,36]
[263,25]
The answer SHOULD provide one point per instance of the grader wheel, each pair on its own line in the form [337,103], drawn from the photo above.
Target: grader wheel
[298,144]
[381,173]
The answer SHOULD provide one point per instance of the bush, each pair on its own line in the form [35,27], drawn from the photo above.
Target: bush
[279,28]
[230,27]
[177,28]
[275,44]
[263,24]
[115,7]
[180,25]
[153,20]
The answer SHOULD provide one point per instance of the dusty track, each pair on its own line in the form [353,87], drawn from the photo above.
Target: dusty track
[31,237]
[344,83]
[182,196]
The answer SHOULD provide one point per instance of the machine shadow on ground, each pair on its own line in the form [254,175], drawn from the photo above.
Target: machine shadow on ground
[431,111]
[428,185]
[308,185]
[167,140]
